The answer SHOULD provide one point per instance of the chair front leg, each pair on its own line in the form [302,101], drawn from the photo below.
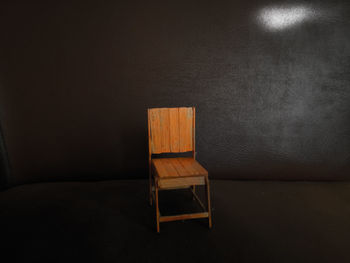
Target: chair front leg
[157,205]
[208,202]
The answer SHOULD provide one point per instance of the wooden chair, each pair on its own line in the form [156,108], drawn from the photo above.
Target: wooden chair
[172,130]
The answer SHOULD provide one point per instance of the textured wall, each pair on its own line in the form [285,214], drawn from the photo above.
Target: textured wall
[270,80]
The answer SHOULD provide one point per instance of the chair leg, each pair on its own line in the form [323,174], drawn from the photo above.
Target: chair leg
[150,184]
[194,191]
[157,206]
[209,205]
[150,191]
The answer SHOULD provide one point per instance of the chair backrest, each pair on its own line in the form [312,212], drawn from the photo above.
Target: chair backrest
[171,130]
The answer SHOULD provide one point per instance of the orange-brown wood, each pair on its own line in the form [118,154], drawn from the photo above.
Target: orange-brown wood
[165,129]
[186,122]
[193,132]
[149,159]
[178,167]
[192,166]
[167,183]
[208,201]
[183,217]
[172,130]
[169,167]
[157,206]
[181,170]
[156,134]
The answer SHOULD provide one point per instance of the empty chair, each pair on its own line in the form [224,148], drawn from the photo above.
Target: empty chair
[172,130]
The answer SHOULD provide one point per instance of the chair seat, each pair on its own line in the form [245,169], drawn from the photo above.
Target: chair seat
[178,172]
[178,167]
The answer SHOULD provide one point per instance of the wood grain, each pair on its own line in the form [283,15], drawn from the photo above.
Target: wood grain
[164,129]
[185,120]
[183,217]
[156,135]
[164,182]
[174,130]
[171,130]
[178,167]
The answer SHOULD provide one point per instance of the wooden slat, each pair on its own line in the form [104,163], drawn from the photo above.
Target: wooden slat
[194,132]
[171,171]
[180,181]
[159,167]
[199,168]
[174,188]
[185,120]
[174,129]
[156,134]
[178,167]
[184,162]
[182,171]
[164,129]
[171,129]
[192,166]
[183,217]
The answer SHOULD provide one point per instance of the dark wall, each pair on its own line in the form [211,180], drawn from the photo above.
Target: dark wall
[4,163]
[272,103]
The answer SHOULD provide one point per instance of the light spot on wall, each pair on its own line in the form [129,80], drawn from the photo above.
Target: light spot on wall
[279,18]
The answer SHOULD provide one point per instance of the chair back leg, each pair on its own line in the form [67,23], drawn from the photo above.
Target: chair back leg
[150,182]
[193,191]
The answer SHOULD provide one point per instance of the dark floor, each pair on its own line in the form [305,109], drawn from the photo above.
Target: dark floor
[111,221]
